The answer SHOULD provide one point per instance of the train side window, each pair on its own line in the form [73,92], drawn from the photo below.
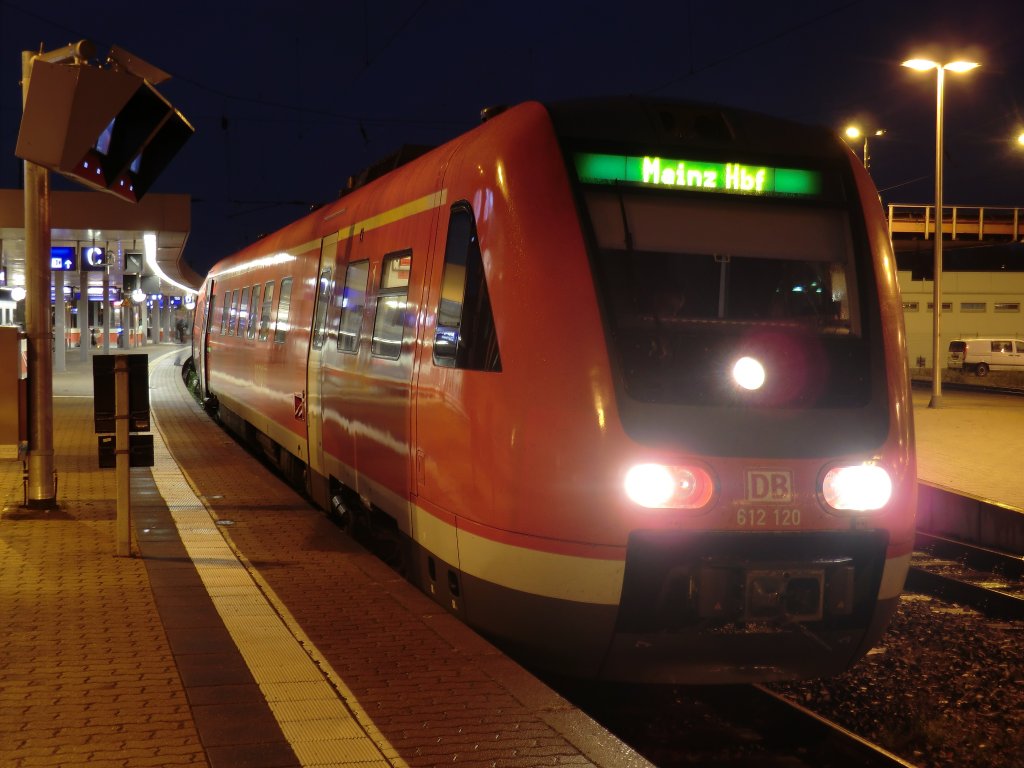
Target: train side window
[353,299]
[392,300]
[284,304]
[466,336]
[268,304]
[243,311]
[210,313]
[254,307]
[224,313]
[323,300]
[233,314]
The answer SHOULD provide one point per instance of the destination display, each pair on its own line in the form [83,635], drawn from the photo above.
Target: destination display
[698,175]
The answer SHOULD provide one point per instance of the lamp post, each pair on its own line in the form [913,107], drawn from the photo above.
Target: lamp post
[923,65]
[854,132]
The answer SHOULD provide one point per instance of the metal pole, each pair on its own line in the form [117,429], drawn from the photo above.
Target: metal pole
[60,332]
[41,491]
[122,470]
[158,321]
[936,399]
[83,317]
[107,311]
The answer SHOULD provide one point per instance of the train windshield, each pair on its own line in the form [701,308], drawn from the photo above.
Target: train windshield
[691,283]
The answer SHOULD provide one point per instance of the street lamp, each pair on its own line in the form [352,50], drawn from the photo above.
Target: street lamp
[923,65]
[855,132]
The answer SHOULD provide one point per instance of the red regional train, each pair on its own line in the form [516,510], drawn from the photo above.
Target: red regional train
[623,381]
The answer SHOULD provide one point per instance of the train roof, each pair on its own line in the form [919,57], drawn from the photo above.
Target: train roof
[701,125]
[642,120]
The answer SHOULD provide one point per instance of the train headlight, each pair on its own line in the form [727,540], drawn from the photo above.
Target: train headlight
[857,488]
[660,486]
[748,373]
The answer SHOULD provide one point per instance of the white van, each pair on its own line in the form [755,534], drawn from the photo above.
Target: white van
[982,355]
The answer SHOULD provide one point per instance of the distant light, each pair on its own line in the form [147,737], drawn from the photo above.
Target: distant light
[1020,139]
[922,65]
[748,373]
[961,66]
[18,293]
[853,132]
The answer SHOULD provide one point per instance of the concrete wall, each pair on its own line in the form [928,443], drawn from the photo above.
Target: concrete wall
[974,304]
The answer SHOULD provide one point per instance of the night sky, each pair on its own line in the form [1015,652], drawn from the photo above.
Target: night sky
[289,99]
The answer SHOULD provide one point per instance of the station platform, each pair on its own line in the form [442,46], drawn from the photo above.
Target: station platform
[248,631]
[971,443]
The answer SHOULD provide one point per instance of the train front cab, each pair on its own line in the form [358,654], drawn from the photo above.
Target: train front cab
[761,244]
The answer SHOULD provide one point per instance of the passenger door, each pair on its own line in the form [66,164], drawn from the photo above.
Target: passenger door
[382,414]
[202,345]
[314,368]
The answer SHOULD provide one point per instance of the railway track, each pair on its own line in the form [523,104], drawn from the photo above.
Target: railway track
[988,581]
[736,725]
[969,551]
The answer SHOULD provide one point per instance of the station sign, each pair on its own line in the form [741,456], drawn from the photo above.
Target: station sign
[140,450]
[94,257]
[63,258]
[104,414]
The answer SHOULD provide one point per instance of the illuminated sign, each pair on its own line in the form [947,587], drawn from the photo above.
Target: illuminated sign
[95,293]
[62,258]
[93,257]
[697,175]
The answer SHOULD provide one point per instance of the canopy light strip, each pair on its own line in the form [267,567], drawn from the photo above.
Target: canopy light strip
[697,175]
[149,243]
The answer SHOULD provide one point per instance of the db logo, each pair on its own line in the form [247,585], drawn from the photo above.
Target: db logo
[769,485]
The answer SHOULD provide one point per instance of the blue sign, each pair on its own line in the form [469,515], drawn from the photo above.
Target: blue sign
[63,258]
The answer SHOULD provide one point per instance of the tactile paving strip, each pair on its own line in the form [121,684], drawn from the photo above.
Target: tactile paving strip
[322,721]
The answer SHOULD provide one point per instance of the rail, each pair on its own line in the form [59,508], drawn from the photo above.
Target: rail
[958,221]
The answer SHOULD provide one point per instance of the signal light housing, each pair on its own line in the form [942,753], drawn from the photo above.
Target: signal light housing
[106,128]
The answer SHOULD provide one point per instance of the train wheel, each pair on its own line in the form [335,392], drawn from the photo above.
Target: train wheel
[981,369]
[340,510]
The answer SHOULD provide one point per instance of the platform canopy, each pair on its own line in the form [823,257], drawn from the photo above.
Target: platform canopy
[82,220]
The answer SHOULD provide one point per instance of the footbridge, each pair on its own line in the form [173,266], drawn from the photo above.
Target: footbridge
[961,224]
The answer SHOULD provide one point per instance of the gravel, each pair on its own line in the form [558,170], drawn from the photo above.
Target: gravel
[944,687]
